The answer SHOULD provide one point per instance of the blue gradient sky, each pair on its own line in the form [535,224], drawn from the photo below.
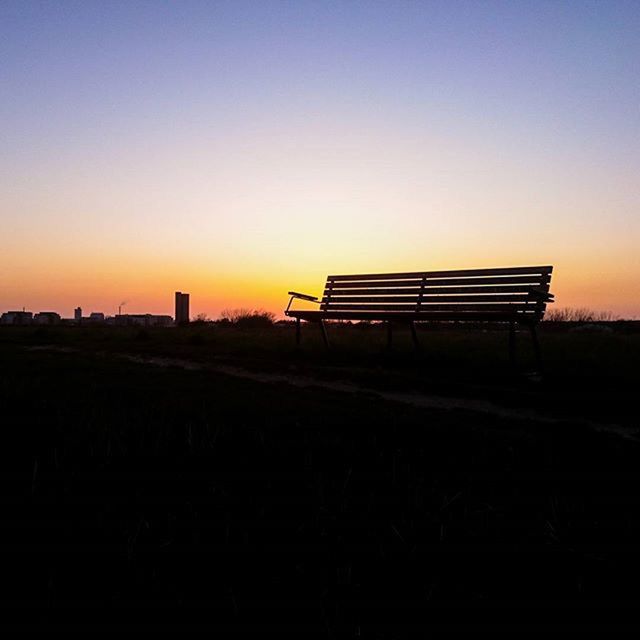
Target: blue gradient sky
[238,149]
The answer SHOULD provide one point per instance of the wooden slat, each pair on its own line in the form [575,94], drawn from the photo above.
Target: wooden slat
[444,274]
[388,291]
[414,316]
[352,285]
[489,288]
[427,299]
[370,306]
[534,280]
[397,299]
[495,281]
[336,293]
[431,307]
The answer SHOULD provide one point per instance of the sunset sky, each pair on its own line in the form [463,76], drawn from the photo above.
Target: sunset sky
[236,150]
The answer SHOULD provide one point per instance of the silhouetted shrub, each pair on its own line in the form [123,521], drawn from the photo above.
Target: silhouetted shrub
[579,314]
[247,319]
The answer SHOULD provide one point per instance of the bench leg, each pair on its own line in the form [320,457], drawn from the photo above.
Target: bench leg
[512,343]
[536,345]
[298,332]
[414,336]
[389,334]
[325,338]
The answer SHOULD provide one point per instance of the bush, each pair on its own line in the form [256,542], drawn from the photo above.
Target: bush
[579,314]
[248,319]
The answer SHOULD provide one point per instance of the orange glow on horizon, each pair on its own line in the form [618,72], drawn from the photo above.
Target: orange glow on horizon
[149,287]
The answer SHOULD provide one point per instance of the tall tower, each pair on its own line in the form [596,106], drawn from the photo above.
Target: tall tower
[77,314]
[182,307]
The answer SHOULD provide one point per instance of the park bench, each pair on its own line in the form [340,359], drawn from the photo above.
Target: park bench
[512,295]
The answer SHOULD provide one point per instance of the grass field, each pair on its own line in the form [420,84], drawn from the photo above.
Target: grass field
[179,496]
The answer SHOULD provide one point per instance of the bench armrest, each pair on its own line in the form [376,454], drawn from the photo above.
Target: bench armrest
[303,296]
[300,296]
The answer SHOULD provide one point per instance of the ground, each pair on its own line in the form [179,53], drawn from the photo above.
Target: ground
[209,477]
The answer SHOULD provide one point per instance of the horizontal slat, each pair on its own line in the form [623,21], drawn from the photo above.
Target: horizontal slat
[363,299]
[431,307]
[495,281]
[369,306]
[534,281]
[427,299]
[388,291]
[372,285]
[445,274]
[417,317]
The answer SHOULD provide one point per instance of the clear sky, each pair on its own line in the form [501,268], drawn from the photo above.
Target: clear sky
[239,149]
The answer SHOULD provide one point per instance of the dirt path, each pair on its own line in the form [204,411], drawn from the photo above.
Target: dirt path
[414,399]
[419,400]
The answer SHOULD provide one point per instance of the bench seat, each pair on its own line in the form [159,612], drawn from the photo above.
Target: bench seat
[423,316]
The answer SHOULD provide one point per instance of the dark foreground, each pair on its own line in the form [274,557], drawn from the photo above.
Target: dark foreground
[168,498]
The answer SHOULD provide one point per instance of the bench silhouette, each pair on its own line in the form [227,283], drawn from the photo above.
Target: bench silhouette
[513,295]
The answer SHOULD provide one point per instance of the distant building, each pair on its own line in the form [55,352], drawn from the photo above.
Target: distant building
[95,317]
[47,317]
[182,307]
[142,320]
[16,317]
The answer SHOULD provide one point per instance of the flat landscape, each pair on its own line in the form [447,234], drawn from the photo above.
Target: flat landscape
[263,267]
[221,478]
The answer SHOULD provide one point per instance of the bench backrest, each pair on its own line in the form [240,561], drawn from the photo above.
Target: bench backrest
[466,294]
